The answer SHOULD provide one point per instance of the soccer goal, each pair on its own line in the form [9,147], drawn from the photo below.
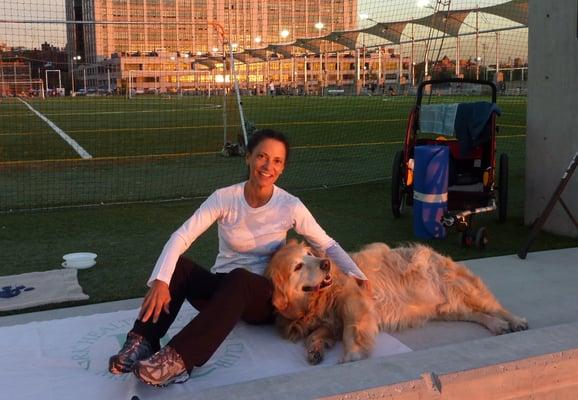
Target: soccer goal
[215,87]
[30,88]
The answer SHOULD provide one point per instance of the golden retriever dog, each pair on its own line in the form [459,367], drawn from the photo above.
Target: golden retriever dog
[406,287]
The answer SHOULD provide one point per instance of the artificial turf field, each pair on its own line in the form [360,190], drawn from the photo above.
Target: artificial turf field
[150,148]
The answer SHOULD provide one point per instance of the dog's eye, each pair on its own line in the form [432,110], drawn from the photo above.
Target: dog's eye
[298,267]
[309,253]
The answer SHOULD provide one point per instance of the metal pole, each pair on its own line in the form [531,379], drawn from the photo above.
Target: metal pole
[305,88]
[84,79]
[338,68]
[178,74]
[457,56]
[477,46]
[380,65]
[2,93]
[400,72]
[412,56]
[72,77]
[46,79]
[357,71]
[293,73]
[497,56]
[108,78]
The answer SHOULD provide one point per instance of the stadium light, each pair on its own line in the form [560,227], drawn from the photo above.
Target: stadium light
[424,4]
[319,26]
[284,33]
[77,59]
[258,39]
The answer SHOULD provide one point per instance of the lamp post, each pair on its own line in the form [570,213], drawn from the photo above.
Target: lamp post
[186,56]
[177,70]
[319,26]
[108,79]
[284,34]
[77,59]
[84,78]
[425,4]
[258,41]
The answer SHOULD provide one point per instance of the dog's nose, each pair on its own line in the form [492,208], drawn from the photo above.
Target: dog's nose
[324,265]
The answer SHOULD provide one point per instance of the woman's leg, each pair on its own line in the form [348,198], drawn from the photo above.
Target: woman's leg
[239,294]
[189,281]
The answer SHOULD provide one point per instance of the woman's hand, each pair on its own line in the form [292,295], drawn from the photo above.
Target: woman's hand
[156,300]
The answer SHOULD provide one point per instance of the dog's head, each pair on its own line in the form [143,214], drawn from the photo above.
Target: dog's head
[297,273]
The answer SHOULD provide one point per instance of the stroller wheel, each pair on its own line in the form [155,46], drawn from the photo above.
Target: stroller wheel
[481,238]
[397,189]
[465,239]
[462,239]
[503,188]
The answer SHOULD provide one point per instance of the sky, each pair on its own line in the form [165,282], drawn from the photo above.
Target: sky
[33,35]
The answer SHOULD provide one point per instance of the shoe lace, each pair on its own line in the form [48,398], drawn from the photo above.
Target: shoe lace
[166,356]
[133,343]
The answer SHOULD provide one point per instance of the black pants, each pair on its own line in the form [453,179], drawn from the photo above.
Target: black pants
[221,299]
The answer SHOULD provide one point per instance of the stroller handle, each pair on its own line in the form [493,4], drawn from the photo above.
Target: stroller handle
[432,82]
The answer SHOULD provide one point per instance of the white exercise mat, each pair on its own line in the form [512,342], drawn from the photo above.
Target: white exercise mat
[68,358]
[38,288]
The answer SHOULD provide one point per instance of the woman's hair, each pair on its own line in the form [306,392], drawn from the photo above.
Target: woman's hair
[263,134]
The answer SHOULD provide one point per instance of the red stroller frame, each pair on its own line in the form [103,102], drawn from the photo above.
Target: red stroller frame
[474,187]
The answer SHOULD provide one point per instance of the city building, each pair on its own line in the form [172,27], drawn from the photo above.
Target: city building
[114,37]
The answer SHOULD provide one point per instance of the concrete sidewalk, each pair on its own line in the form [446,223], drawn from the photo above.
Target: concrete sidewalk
[542,288]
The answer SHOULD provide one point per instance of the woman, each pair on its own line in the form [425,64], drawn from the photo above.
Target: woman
[253,219]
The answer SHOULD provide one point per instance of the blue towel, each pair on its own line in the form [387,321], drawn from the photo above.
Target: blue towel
[472,124]
[438,118]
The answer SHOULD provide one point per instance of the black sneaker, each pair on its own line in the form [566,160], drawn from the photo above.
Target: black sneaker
[134,349]
[163,368]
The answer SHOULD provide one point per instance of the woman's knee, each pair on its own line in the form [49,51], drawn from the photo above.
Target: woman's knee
[249,281]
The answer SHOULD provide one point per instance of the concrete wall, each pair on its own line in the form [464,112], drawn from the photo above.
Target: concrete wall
[552,137]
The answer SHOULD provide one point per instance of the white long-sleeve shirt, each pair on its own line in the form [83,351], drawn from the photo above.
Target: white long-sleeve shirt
[248,236]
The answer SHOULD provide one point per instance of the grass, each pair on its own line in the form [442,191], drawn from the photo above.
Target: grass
[129,238]
[153,148]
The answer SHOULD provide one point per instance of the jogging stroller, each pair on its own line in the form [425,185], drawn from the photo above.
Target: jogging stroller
[452,113]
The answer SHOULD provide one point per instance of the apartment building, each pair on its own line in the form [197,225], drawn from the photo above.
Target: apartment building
[109,30]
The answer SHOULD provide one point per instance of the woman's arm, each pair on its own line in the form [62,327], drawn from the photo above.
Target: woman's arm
[184,237]
[158,296]
[306,225]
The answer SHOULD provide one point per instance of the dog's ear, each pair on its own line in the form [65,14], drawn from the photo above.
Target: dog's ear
[280,300]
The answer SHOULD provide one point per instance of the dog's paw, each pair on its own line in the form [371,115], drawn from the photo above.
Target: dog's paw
[352,356]
[518,324]
[499,327]
[314,357]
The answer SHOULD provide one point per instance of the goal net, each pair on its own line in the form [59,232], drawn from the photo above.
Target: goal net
[31,88]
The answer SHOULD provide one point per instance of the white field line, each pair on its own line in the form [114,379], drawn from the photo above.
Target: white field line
[73,143]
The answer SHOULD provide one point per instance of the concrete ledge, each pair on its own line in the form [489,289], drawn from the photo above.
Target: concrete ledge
[539,362]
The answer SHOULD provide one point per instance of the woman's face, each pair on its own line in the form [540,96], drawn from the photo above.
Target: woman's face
[266,162]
